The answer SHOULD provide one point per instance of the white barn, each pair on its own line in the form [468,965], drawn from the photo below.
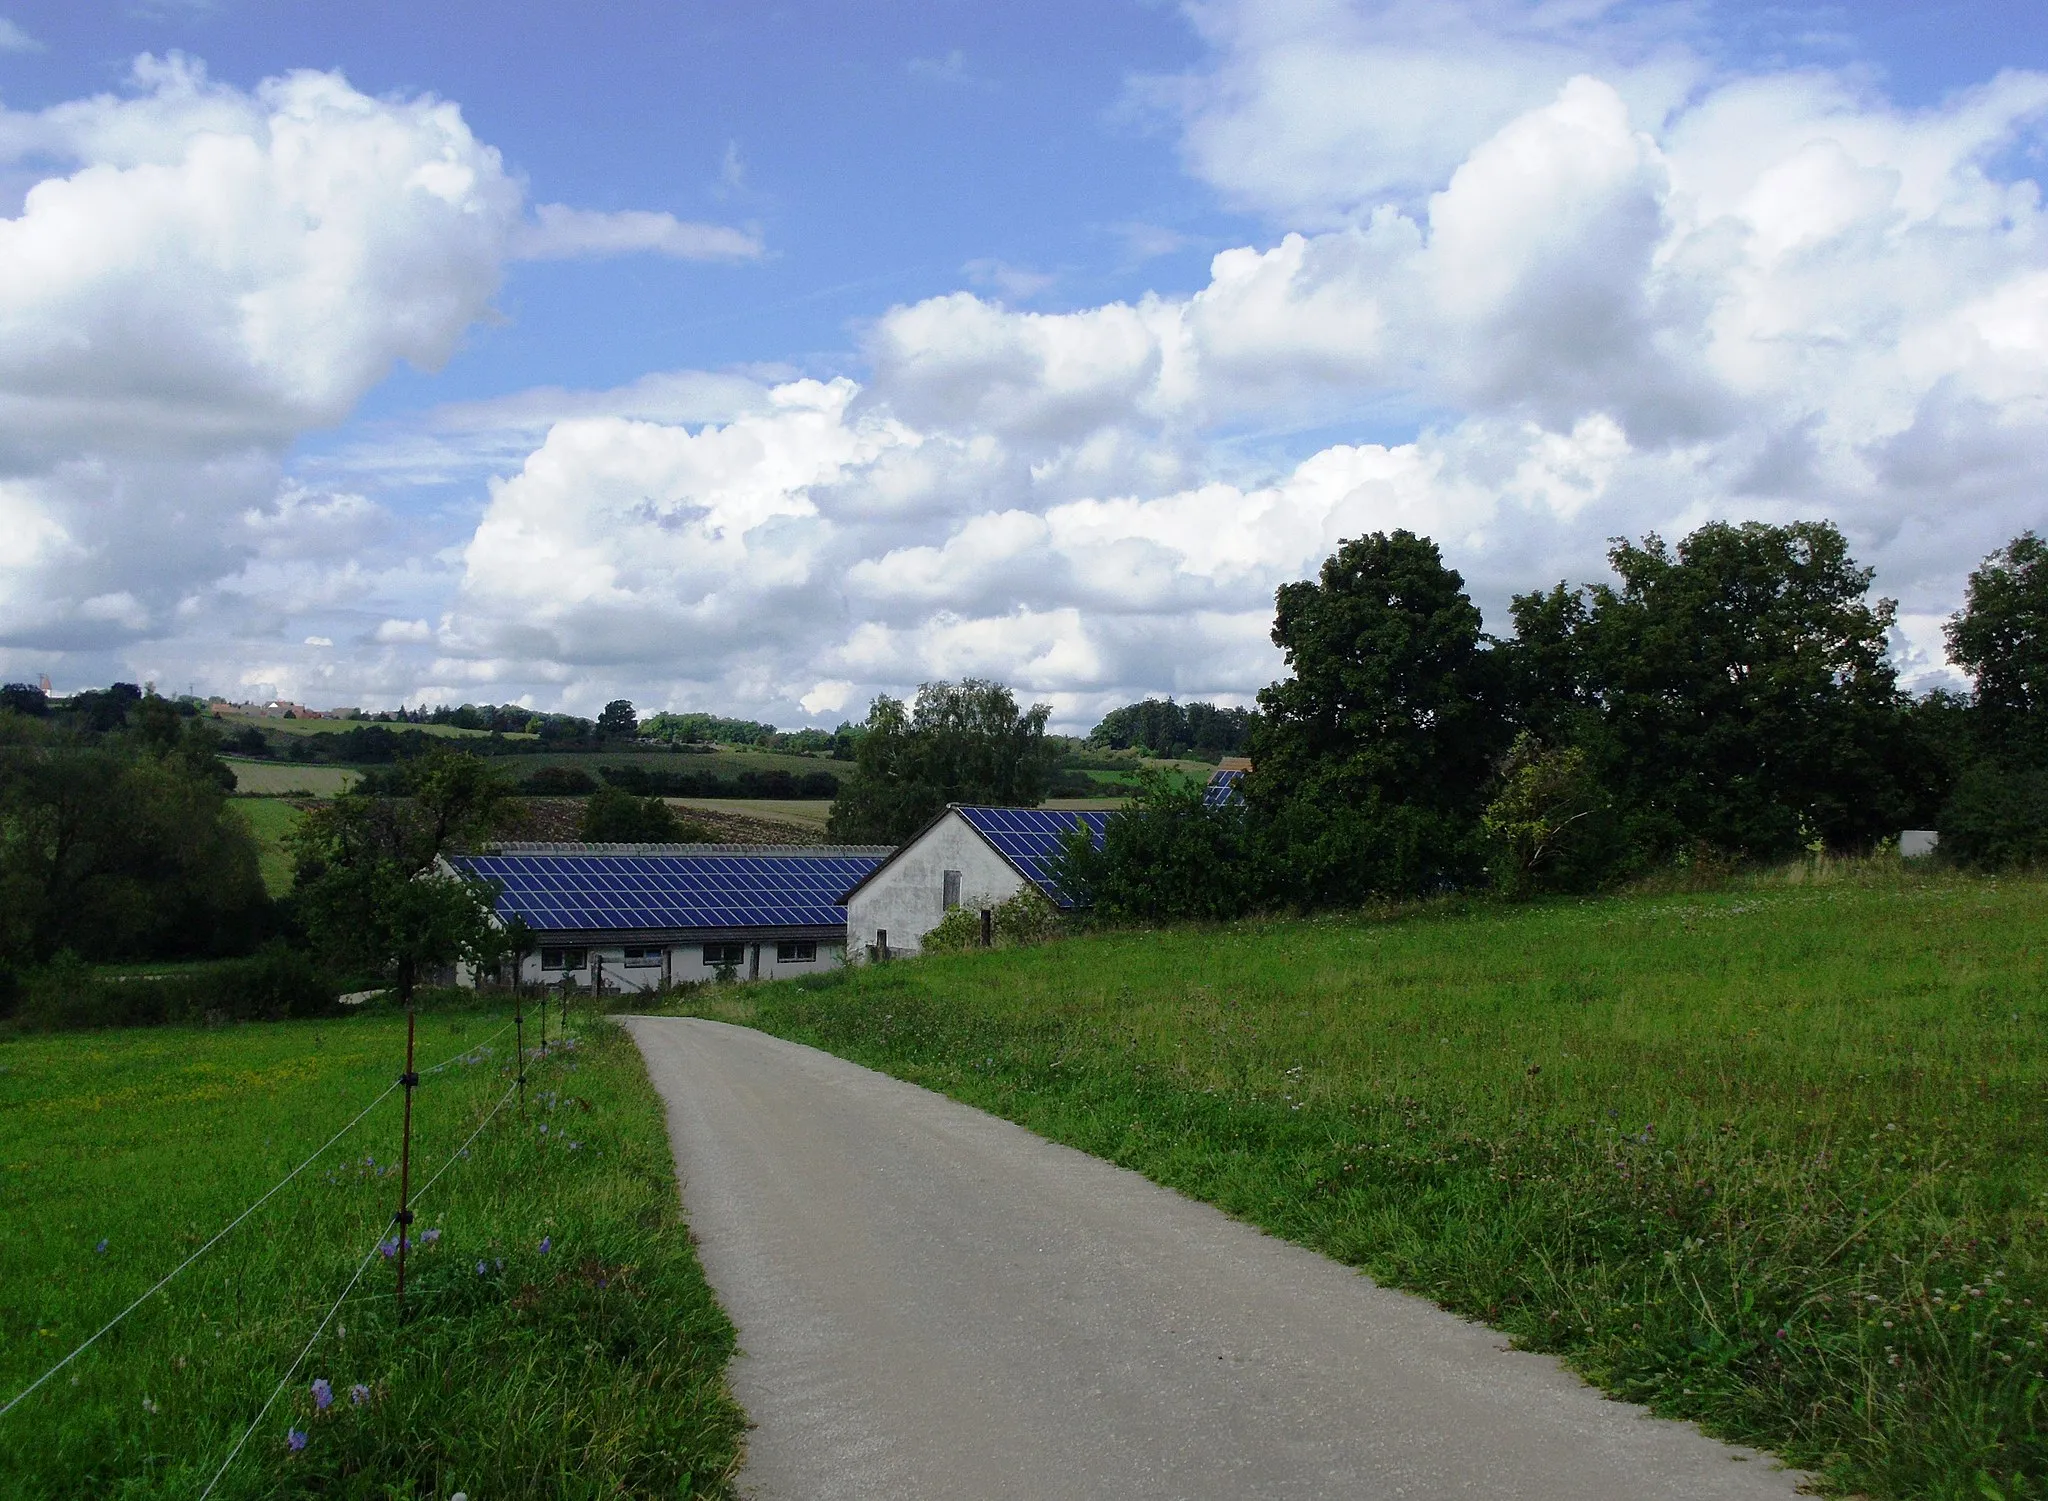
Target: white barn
[623,917]
[966,857]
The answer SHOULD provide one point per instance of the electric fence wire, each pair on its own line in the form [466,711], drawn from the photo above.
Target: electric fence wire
[19,1397]
[361,1267]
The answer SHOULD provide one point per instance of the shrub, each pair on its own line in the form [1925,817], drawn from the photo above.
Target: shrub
[274,984]
[1023,919]
[614,816]
[558,781]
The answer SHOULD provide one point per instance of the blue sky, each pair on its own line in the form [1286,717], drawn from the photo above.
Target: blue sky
[1132,310]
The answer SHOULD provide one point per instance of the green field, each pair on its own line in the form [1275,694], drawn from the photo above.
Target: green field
[281,779]
[336,726]
[1774,1159]
[273,819]
[591,1365]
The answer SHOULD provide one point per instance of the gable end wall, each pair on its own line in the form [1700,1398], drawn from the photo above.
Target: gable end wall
[907,899]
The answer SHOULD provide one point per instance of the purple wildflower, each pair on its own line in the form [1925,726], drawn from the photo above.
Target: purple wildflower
[481,1270]
[543,1128]
[295,1439]
[547,1243]
[358,1394]
[323,1395]
[428,1237]
[100,1249]
[389,1248]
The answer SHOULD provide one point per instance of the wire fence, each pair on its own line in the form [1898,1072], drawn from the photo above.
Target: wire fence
[473,1054]
[335,1307]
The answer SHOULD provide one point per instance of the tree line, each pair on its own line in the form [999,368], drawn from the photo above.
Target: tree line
[1725,700]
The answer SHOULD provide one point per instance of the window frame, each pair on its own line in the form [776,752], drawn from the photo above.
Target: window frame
[649,956]
[562,954]
[737,951]
[796,951]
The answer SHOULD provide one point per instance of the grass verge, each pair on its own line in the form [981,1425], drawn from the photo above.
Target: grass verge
[560,1339]
[1773,1159]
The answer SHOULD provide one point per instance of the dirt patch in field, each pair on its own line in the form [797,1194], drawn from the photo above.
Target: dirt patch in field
[561,818]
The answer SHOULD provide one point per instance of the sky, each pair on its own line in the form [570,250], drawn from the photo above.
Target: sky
[762,359]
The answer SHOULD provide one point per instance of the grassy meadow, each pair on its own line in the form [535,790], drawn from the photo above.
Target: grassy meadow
[337,726]
[1773,1158]
[560,1338]
[284,779]
[273,819]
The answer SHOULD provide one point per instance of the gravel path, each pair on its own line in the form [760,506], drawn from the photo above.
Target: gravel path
[933,1303]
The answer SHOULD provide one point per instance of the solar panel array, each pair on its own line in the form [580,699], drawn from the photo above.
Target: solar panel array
[1223,789]
[1031,838]
[584,893]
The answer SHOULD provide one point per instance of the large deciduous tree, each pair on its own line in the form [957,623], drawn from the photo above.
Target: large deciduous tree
[1732,692]
[120,842]
[371,889]
[1997,813]
[1373,755]
[955,743]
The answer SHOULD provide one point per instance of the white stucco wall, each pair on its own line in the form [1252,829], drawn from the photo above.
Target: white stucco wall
[908,897]
[685,964]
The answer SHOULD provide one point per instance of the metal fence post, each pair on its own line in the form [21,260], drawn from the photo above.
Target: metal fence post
[404,1216]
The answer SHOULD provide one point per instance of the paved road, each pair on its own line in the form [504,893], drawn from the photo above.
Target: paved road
[933,1303]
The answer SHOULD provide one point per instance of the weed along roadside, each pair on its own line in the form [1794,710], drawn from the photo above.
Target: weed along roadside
[557,1337]
[1773,1159]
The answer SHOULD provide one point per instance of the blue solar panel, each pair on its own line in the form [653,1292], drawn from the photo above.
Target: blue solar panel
[1032,838]
[1224,789]
[579,893]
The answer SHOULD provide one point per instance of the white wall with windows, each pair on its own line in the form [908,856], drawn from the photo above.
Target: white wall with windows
[623,967]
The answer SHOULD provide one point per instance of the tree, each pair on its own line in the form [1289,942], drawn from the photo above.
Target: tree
[1997,812]
[121,846]
[1168,729]
[964,743]
[1733,692]
[25,698]
[618,721]
[2000,638]
[1542,818]
[1166,856]
[370,886]
[1373,755]
[615,816]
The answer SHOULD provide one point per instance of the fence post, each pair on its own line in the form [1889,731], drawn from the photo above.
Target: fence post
[404,1216]
[543,1021]
[882,944]
[988,928]
[519,1037]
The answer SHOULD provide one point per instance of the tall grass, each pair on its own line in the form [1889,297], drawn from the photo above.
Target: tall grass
[1773,1158]
[561,1340]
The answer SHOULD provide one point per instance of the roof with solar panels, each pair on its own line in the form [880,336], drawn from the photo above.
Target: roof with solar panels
[701,889]
[1028,839]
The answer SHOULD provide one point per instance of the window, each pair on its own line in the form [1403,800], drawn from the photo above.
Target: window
[718,955]
[802,952]
[952,889]
[563,959]
[643,958]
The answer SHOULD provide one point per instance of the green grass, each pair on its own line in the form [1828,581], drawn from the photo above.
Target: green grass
[336,726]
[273,819]
[1774,1159]
[595,1369]
[282,778]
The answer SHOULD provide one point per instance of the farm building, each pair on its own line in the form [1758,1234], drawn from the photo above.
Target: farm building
[640,916]
[967,856]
